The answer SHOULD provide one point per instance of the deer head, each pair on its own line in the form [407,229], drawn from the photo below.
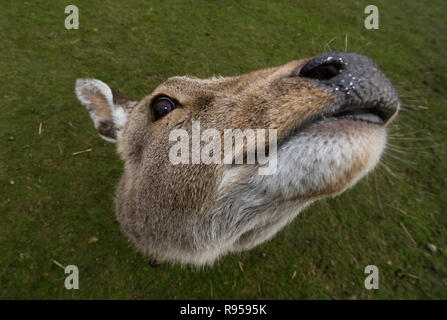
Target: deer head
[329,114]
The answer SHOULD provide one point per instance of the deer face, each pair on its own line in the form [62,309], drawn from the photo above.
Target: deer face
[330,114]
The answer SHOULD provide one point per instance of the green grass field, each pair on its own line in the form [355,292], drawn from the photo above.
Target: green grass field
[53,203]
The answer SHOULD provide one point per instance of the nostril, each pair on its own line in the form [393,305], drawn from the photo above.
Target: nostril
[323,71]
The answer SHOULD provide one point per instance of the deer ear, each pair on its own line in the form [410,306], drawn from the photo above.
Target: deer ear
[108,107]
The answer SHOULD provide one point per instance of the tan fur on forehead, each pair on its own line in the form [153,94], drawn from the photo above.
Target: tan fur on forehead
[269,96]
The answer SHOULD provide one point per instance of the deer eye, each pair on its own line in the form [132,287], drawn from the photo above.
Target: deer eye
[161,107]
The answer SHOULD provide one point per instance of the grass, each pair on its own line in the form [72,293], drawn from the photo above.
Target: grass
[53,202]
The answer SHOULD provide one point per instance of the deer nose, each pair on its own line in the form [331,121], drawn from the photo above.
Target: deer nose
[354,75]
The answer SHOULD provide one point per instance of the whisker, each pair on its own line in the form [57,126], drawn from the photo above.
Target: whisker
[402,160]
[387,168]
[403,138]
[415,148]
[397,128]
[413,107]
[398,151]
